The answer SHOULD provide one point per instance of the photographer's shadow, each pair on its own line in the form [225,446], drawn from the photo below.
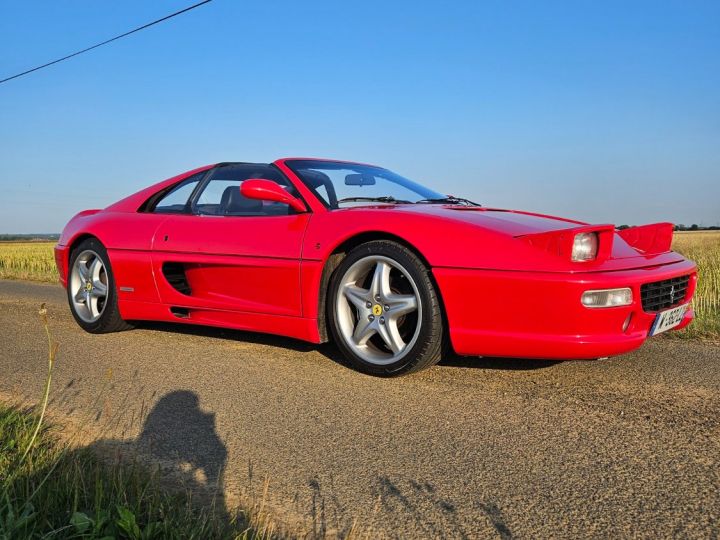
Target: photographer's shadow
[180,439]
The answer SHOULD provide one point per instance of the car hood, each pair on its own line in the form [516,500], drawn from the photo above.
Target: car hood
[511,222]
[510,239]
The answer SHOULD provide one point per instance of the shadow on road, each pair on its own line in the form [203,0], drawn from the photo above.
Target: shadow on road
[505,364]
[182,440]
[329,351]
[178,433]
[230,334]
[417,503]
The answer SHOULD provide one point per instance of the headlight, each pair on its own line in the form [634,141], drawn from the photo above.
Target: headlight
[585,246]
[607,298]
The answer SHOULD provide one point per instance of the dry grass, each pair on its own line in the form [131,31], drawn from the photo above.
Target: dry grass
[703,247]
[35,261]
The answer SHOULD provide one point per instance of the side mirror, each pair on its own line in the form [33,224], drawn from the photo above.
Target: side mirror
[267,190]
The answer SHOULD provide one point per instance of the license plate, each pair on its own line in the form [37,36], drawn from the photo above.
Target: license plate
[665,320]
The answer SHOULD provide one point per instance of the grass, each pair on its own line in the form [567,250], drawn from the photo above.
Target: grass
[704,248]
[35,261]
[32,261]
[48,489]
[59,492]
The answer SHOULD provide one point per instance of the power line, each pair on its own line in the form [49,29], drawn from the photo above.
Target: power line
[143,27]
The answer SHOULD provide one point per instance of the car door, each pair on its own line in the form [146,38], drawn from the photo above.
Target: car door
[129,239]
[232,253]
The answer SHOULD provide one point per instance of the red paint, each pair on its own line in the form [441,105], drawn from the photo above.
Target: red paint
[267,190]
[505,277]
[655,238]
[535,314]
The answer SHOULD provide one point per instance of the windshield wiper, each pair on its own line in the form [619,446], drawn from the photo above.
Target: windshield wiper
[448,200]
[385,199]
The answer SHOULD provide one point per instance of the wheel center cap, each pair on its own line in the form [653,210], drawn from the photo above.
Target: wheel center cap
[377,310]
[88,286]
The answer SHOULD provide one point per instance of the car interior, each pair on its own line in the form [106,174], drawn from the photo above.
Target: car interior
[220,194]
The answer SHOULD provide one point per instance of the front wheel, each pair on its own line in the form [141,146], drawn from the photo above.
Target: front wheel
[384,312]
[91,289]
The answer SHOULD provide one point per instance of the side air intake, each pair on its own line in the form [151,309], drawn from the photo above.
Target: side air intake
[175,275]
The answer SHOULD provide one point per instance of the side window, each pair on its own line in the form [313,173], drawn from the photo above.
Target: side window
[176,201]
[221,195]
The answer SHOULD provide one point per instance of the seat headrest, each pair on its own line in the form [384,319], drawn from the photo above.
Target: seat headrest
[316,179]
[234,202]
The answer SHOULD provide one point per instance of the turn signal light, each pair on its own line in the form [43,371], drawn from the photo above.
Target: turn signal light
[607,298]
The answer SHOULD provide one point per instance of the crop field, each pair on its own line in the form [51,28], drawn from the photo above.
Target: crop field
[703,247]
[35,261]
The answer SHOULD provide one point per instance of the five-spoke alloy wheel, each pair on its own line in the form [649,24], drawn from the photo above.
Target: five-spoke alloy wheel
[384,311]
[88,286]
[91,289]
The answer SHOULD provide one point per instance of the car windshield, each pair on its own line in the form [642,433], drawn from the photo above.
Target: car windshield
[340,185]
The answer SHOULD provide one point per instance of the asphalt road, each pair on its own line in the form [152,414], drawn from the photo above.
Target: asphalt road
[473,448]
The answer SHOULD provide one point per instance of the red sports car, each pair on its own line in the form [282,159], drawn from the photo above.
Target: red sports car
[390,270]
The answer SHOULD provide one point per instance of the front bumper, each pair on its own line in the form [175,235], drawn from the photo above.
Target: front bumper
[61,261]
[539,315]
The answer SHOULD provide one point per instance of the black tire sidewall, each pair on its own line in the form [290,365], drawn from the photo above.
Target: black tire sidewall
[431,321]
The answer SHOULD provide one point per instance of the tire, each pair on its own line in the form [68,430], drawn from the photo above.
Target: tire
[91,289]
[371,314]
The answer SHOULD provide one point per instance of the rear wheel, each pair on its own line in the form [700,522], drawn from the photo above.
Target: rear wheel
[91,289]
[384,312]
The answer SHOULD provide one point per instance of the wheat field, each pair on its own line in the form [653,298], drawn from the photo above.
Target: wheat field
[32,261]
[703,247]
[35,261]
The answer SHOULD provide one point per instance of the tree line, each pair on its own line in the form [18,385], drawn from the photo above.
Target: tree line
[682,227]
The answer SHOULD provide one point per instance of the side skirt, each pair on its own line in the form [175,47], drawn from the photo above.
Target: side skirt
[294,327]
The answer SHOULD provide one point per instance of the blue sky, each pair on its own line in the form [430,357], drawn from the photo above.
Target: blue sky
[601,111]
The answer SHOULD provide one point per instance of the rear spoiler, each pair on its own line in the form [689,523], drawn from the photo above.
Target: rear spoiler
[649,239]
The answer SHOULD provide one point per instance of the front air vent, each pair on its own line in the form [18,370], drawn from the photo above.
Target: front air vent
[175,275]
[664,294]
